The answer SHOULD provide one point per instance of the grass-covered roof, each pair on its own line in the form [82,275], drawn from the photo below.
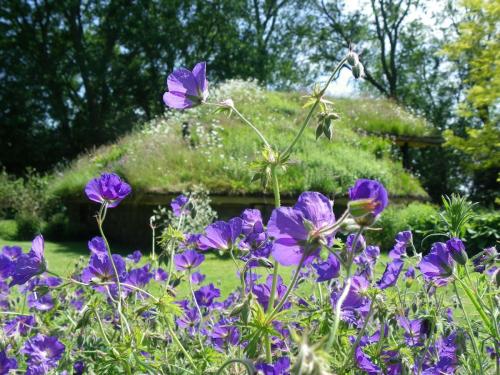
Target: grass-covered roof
[157,158]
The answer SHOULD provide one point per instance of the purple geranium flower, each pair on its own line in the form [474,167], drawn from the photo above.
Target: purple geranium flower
[197,278]
[373,192]
[97,246]
[6,364]
[7,258]
[43,353]
[221,235]
[263,292]
[223,335]
[20,325]
[280,367]
[356,297]
[252,222]
[29,265]
[188,260]
[160,275]
[414,330]
[328,269]
[457,250]
[189,320]
[43,302]
[101,269]
[78,367]
[187,89]
[488,257]
[437,266]
[391,274]
[179,205]
[360,243]
[138,277]
[206,294]
[365,363]
[108,188]
[297,229]
[135,256]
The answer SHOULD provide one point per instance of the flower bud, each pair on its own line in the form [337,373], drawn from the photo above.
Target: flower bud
[352,58]
[457,250]
[358,70]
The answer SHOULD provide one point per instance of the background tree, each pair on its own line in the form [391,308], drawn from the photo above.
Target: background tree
[475,53]
[79,73]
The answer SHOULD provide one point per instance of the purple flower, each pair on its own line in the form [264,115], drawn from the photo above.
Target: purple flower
[405,237]
[221,235]
[297,230]
[78,368]
[391,274]
[328,269]
[457,250]
[138,277]
[20,325]
[135,256]
[280,367]
[356,297]
[488,257]
[97,246]
[188,260]
[29,265]
[252,222]
[187,89]
[437,266]
[414,330]
[6,364]
[197,278]
[179,205]
[108,188]
[373,192]
[189,320]
[43,302]
[365,363]
[263,292]
[224,335]
[206,294]
[101,269]
[160,275]
[360,243]
[43,353]
[7,259]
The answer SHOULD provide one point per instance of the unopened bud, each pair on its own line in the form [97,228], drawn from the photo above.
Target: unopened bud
[228,103]
[457,250]
[352,58]
[358,70]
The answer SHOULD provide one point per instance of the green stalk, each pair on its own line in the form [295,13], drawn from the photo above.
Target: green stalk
[478,307]
[288,291]
[254,128]
[345,291]
[471,332]
[100,220]
[339,66]
[181,347]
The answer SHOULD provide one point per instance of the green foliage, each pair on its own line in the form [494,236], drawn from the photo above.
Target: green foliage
[8,229]
[457,212]
[217,150]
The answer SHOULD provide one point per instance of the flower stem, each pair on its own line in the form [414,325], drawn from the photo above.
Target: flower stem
[339,66]
[100,220]
[345,291]
[181,347]
[254,128]
[471,332]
